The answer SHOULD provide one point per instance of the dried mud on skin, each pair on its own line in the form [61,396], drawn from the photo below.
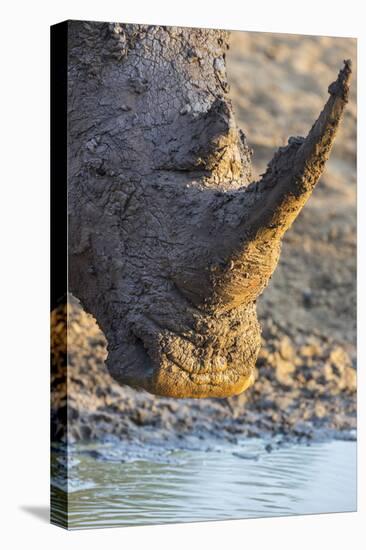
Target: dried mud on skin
[306,371]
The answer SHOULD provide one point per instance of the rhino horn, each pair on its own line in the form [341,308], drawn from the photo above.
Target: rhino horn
[266,209]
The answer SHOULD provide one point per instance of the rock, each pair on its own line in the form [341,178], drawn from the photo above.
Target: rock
[284,370]
[310,350]
[286,349]
[320,409]
[339,358]
[283,402]
[339,373]
[350,379]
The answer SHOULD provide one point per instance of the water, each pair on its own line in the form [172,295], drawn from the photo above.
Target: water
[124,484]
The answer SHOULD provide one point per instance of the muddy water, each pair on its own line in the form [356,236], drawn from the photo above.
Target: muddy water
[118,485]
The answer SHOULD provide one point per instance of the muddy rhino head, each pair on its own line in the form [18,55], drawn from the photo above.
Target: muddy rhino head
[171,242]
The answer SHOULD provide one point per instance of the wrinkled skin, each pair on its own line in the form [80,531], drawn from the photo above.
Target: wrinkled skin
[170,241]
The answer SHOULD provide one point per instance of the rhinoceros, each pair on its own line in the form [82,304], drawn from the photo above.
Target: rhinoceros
[171,241]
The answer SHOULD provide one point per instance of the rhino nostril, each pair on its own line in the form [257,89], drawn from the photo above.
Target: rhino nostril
[138,341]
[129,362]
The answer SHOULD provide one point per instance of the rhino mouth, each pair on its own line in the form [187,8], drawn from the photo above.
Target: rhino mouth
[182,369]
[214,360]
[172,379]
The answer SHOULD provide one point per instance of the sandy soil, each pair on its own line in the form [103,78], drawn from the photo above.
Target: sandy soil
[306,383]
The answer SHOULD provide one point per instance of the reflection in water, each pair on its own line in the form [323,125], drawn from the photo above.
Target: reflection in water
[117,484]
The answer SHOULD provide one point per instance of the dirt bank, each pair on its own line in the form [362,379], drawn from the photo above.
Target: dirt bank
[305,389]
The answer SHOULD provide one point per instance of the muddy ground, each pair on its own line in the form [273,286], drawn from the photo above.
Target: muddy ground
[306,380]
